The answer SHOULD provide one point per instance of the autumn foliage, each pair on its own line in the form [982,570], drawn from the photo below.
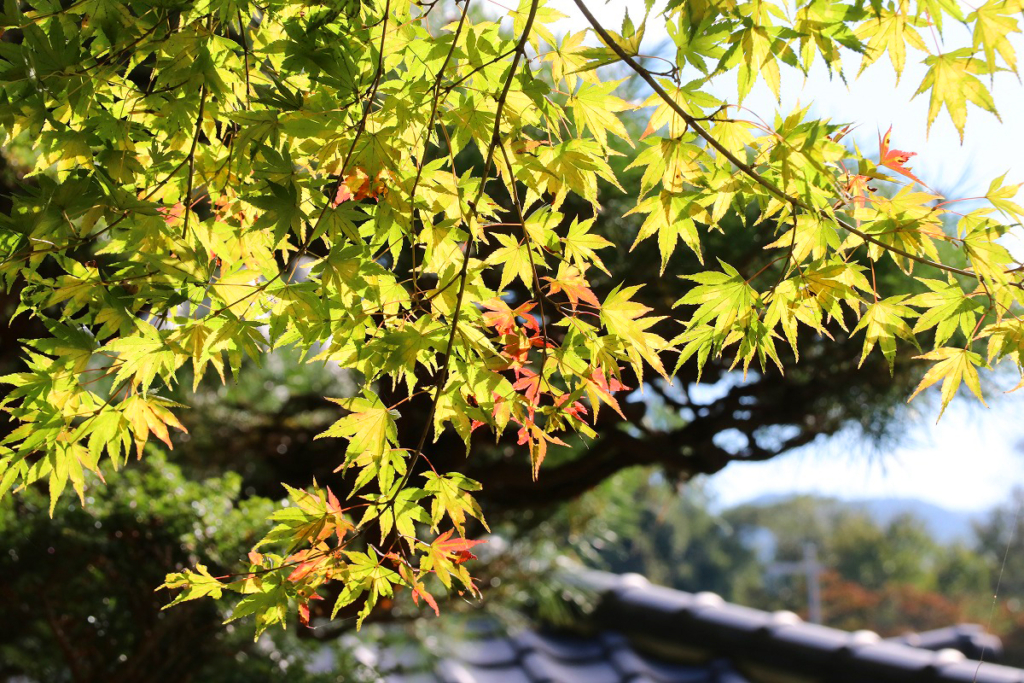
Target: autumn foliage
[215,181]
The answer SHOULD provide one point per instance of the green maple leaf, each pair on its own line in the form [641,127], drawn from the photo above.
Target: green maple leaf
[668,217]
[988,258]
[515,260]
[722,298]
[580,246]
[948,308]
[370,427]
[951,80]
[953,367]
[567,58]
[890,32]
[993,25]
[197,583]
[1001,195]
[144,357]
[451,497]
[883,322]
[397,509]
[543,17]
[594,108]
[365,574]
[628,320]
[935,9]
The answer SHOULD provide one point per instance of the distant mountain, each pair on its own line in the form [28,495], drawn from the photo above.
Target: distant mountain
[945,525]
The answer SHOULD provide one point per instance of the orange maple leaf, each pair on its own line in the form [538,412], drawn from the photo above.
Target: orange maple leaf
[600,389]
[529,384]
[420,591]
[895,159]
[503,318]
[572,282]
[457,547]
[858,190]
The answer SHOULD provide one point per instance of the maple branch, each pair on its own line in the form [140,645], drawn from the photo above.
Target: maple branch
[435,100]
[192,158]
[747,168]
[442,379]
[533,266]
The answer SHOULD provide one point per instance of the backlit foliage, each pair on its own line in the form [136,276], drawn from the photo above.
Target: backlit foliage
[219,179]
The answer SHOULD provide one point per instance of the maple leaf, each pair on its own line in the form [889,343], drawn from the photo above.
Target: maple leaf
[895,159]
[725,298]
[1001,195]
[537,439]
[948,308]
[993,24]
[420,591]
[457,547]
[599,389]
[576,409]
[953,367]
[529,384]
[669,217]
[503,318]
[150,415]
[950,77]
[594,108]
[196,583]
[370,427]
[626,319]
[857,189]
[515,260]
[890,31]
[568,58]
[883,322]
[451,496]
[572,282]
[580,245]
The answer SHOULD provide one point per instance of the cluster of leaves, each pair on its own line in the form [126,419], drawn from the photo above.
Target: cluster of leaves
[217,180]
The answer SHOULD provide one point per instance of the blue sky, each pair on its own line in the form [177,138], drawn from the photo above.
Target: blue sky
[974,457]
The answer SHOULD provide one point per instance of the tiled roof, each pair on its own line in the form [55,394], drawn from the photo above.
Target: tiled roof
[642,633]
[545,657]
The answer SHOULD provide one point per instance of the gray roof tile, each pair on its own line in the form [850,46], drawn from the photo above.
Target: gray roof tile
[566,648]
[656,598]
[731,618]
[894,657]
[546,669]
[452,671]
[810,639]
[630,663]
[969,672]
[403,658]
[411,678]
[486,652]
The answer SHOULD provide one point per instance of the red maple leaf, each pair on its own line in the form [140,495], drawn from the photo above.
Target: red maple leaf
[419,591]
[304,609]
[571,281]
[600,389]
[577,409]
[895,159]
[537,439]
[457,547]
[529,384]
[858,190]
[503,318]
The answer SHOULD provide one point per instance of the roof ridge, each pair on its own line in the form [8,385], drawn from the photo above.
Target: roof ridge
[667,621]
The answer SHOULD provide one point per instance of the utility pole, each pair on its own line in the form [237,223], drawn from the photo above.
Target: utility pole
[811,569]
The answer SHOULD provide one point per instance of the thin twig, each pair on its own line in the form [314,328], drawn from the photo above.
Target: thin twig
[746,168]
